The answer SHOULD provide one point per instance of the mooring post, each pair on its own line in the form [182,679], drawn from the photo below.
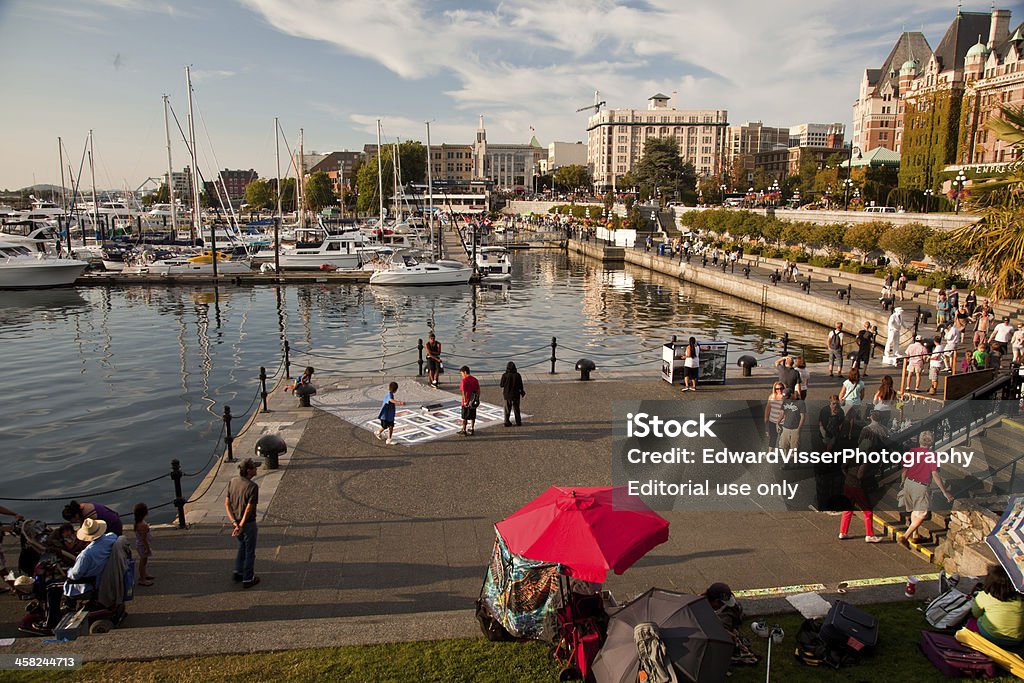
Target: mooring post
[554,346]
[179,500]
[287,360]
[419,349]
[228,438]
[849,294]
[263,388]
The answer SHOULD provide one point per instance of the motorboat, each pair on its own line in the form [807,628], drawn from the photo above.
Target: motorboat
[493,263]
[20,268]
[157,263]
[116,256]
[409,271]
[342,251]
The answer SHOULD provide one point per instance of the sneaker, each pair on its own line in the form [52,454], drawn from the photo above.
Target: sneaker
[250,584]
[463,433]
[237,578]
[873,539]
[472,432]
[508,424]
[390,442]
[36,629]
[380,436]
[843,537]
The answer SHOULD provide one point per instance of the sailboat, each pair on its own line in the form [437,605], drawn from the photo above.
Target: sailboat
[407,269]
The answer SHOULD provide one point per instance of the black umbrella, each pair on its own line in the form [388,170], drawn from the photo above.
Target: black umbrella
[696,642]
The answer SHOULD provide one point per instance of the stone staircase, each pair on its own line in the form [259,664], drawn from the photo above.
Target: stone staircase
[993,474]
[667,222]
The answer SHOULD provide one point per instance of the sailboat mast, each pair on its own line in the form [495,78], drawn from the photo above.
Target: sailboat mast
[394,180]
[380,178]
[170,168]
[197,224]
[430,196]
[95,204]
[300,190]
[277,218]
[63,195]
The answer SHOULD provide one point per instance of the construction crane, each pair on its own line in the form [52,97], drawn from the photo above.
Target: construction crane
[596,106]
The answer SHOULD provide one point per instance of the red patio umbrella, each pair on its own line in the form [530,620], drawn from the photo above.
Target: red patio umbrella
[587,530]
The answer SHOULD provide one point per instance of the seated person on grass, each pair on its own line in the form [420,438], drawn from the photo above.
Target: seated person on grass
[998,610]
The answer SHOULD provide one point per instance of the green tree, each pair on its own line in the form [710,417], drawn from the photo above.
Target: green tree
[662,172]
[319,192]
[863,237]
[905,241]
[738,179]
[572,178]
[258,194]
[287,195]
[412,158]
[998,246]
[830,237]
[947,252]
[161,196]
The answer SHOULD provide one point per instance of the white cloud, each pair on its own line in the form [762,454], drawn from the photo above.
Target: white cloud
[207,75]
[533,62]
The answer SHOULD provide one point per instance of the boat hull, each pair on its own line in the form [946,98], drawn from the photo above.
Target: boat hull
[314,261]
[423,274]
[44,273]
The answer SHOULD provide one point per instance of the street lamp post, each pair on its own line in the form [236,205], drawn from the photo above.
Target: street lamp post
[927,198]
[750,193]
[776,190]
[847,184]
[722,188]
[960,180]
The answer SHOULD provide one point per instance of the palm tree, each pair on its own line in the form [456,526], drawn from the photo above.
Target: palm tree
[997,242]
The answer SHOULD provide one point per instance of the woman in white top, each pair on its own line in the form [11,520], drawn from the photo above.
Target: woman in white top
[851,395]
[1017,344]
[691,365]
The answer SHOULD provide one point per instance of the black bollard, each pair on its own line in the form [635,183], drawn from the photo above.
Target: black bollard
[179,501]
[419,349]
[287,360]
[807,288]
[917,320]
[228,438]
[849,294]
[874,335]
[263,388]
[746,271]
[554,346]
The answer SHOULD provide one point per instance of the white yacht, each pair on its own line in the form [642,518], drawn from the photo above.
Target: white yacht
[493,263]
[409,271]
[20,268]
[343,251]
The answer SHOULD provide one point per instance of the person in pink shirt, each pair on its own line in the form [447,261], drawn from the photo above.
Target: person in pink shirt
[918,475]
[470,389]
[916,355]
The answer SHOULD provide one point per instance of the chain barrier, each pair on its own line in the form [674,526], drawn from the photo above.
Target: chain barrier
[86,495]
[321,354]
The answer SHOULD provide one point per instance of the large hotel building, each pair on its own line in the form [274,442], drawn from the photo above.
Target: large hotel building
[615,138]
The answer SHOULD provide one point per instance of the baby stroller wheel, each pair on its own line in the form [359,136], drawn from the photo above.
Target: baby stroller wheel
[101,626]
[570,673]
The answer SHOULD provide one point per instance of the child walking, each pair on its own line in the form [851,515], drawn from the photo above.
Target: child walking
[143,543]
[387,414]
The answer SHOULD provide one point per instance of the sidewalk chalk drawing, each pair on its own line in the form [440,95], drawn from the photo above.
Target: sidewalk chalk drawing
[428,413]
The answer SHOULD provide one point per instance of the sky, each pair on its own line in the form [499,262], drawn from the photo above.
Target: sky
[333,67]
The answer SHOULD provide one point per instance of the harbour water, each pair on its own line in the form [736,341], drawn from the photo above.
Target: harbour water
[107,385]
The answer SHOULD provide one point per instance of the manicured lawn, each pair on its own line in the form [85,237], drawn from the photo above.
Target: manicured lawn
[897,659]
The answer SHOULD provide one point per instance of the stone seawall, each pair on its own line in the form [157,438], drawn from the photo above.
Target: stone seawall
[814,308]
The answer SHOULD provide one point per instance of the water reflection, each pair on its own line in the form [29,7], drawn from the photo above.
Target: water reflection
[125,379]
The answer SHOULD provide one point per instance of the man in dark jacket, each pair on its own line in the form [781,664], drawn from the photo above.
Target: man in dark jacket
[512,390]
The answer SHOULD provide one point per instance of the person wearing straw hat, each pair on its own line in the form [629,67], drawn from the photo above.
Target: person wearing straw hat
[88,565]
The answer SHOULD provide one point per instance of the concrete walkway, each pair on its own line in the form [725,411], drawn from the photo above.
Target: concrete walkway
[362,542]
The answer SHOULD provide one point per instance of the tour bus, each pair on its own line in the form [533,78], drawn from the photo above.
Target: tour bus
[880,209]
